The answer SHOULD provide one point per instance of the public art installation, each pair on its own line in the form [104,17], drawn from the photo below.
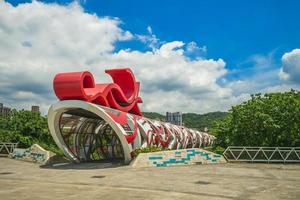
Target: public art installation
[103,121]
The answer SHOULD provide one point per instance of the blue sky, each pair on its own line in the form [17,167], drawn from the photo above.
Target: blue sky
[251,37]
[232,30]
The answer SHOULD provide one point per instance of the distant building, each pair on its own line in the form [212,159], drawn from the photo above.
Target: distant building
[4,111]
[35,109]
[174,118]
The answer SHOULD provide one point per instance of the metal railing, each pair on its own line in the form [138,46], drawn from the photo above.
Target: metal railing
[262,154]
[7,148]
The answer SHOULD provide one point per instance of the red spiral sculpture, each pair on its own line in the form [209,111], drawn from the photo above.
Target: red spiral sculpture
[122,94]
[119,117]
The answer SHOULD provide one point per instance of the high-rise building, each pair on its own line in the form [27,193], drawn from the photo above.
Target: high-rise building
[35,109]
[174,118]
[4,111]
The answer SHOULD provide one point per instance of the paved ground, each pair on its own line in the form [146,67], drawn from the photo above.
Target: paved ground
[22,180]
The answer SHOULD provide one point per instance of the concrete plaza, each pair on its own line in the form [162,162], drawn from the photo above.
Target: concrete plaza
[24,180]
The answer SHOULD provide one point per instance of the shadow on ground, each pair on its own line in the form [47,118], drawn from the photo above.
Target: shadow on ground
[66,165]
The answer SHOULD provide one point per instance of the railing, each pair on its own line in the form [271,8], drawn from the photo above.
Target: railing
[7,148]
[263,154]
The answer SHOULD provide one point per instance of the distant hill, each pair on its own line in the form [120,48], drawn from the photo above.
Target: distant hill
[193,120]
[200,121]
[154,115]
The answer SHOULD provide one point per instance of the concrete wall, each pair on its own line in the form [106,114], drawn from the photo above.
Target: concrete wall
[35,153]
[177,157]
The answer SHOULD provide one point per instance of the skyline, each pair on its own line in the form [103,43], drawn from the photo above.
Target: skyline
[182,66]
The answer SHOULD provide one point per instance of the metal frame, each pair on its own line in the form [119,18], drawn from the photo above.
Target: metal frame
[263,154]
[9,147]
[132,131]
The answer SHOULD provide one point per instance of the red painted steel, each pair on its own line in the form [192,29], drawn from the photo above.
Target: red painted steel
[122,94]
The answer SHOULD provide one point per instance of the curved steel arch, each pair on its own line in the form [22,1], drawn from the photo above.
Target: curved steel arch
[54,115]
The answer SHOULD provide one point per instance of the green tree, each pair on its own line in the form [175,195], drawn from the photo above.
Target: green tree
[26,128]
[265,120]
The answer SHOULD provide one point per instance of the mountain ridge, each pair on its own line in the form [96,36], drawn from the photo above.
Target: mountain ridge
[193,120]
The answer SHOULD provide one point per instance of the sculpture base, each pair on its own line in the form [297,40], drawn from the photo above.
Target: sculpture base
[177,157]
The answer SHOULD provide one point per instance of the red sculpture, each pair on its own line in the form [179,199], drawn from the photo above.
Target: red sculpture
[122,94]
[120,118]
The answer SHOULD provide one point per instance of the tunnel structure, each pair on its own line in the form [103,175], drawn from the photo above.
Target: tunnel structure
[94,122]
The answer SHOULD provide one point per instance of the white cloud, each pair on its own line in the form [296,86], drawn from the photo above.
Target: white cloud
[171,49]
[283,75]
[290,69]
[257,82]
[149,29]
[149,39]
[192,47]
[170,81]
[57,38]
[281,88]
[38,40]
[260,74]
